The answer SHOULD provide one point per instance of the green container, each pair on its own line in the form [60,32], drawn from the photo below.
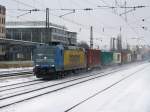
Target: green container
[107,58]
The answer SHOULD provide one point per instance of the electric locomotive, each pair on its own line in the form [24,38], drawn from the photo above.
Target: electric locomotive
[52,61]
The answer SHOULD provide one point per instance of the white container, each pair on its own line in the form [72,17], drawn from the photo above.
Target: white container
[116,58]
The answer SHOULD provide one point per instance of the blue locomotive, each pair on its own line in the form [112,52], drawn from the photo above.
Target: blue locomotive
[54,61]
[48,60]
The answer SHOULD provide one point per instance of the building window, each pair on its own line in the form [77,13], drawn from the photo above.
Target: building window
[2,30]
[0,10]
[4,10]
[2,21]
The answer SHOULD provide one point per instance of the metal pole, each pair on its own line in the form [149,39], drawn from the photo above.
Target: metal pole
[113,44]
[91,37]
[47,24]
[31,36]
[47,17]
[41,37]
[125,11]
[21,35]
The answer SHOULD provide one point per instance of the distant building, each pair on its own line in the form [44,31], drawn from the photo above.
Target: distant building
[36,31]
[28,32]
[2,30]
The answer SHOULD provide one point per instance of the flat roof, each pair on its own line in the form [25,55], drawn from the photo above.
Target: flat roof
[35,24]
[32,24]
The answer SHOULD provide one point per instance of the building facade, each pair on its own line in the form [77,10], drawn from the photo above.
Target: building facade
[2,31]
[34,32]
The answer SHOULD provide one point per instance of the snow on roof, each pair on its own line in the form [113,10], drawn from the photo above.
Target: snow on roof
[32,24]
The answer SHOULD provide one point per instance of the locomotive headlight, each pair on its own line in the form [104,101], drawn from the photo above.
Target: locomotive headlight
[36,65]
[45,58]
[52,65]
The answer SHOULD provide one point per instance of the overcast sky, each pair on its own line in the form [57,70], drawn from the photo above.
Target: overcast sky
[105,21]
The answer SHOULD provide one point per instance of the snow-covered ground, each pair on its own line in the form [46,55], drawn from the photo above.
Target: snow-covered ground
[130,95]
[15,70]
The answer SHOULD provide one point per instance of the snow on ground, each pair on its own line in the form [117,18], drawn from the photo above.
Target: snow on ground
[10,81]
[16,80]
[131,95]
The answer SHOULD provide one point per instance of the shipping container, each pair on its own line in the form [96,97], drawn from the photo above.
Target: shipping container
[74,59]
[133,56]
[93,58]
[124,57]
[129,59]
[116,58]
[139,57]
[106,58]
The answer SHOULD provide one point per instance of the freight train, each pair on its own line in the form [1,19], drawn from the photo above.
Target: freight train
[54,61]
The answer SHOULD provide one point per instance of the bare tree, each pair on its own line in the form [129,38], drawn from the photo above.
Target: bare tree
[83,44]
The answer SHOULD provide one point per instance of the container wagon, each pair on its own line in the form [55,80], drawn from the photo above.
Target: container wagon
[116,58]
[125,57]
[133,57]
[74,59]
[106,58]
[129,58]
[139,57]
[93,58]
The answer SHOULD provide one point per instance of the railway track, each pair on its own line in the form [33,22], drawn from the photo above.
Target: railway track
[103,90]
[20,85]
[28,74]
[14,75]
[9,98]
[26,83]
[37,81]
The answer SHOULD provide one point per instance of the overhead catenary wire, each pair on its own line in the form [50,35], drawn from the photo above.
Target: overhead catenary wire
[79,10]
[131,7]
[134,7]
[34,10]
[22,3]
[71,21]
[68,20]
